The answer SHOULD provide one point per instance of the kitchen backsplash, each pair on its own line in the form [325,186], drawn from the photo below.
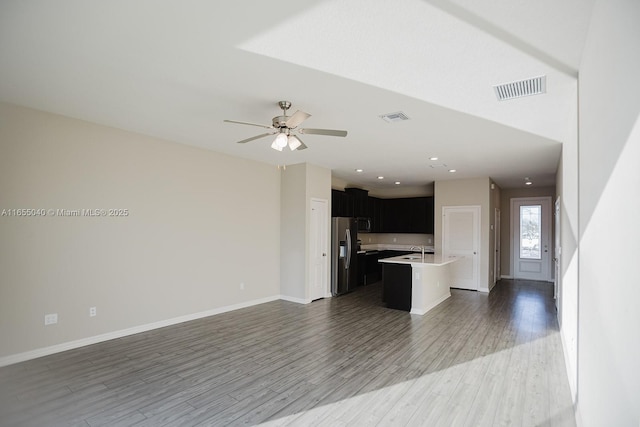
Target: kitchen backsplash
[399,238]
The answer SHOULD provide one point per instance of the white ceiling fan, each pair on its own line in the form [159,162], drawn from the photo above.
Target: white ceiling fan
[285,127]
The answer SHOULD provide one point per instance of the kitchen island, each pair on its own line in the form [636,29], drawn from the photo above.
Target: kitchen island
[414,283]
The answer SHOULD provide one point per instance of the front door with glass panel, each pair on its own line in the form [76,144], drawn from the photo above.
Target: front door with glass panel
[531,231]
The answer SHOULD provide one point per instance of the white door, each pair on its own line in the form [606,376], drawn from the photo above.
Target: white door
[531,231]
[496,246]
[557,253]
[461,238]
[318,283]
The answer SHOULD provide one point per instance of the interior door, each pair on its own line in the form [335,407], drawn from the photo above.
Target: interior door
[557,253]
[531,232]
[318,283]
[461,238]
[496,246]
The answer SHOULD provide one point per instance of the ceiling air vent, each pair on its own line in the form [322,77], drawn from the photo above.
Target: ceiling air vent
[394,117]
[528,87]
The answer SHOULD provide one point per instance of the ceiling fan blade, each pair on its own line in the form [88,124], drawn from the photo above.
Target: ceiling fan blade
[255,137]
[247,123]
[297,144]
[330,132]
[297,118]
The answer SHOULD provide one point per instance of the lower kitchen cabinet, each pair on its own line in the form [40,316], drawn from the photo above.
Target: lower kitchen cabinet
[373,273]
[396,286]
[362,269]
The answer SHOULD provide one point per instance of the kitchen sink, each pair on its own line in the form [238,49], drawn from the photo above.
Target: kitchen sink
[412,257]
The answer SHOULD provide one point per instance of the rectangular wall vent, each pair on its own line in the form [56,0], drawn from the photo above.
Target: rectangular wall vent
[394,117]
[528,87]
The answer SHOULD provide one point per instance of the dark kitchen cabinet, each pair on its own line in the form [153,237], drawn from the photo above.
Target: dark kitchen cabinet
[341,204]
[361,266]
[396,286]
[373,269]
[360,201]
[403,215]
[430,217]
[374,211]
[407,215]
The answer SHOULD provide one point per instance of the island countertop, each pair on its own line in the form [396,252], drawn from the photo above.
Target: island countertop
[415,260]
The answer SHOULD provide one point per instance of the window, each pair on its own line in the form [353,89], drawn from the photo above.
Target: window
[530,231]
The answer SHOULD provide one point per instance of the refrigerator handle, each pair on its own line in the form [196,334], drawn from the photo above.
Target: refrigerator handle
[348,238]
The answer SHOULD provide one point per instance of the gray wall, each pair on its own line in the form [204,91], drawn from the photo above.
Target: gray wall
[191,213]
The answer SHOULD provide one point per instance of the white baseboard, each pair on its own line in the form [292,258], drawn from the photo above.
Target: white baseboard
[430,307]
[294,299]
[568,367]
[504,276]
[484,290]
[45,351]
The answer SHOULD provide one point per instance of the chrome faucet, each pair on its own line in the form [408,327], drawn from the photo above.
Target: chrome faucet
[418,247]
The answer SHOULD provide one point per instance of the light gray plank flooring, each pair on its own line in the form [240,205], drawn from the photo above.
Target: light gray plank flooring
[475,360]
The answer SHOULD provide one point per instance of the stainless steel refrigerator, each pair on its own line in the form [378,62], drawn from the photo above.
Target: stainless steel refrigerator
[344,254]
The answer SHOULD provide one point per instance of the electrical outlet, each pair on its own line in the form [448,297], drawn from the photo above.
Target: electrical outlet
[242,286]
[93,311]
[50,319]
[429,241]
[394,240]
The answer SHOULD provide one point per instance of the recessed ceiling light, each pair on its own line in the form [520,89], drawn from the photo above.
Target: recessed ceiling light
[452,170]
[359,170]
[433,158]
[381,177]
[397,182]
[527,181]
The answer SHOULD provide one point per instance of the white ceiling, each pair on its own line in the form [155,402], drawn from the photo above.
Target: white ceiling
[175,70]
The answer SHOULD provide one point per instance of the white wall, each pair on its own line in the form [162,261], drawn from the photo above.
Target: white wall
[191,213]
[609,228]
[466,192]
[567,192]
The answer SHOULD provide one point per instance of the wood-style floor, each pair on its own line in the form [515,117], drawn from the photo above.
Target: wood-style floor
[476,359]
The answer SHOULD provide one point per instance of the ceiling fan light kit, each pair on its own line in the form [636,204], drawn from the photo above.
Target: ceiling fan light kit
[284,126]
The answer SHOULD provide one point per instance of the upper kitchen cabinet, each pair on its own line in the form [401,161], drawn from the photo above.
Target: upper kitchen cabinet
[374,208]
[360,201]
[407,215]
[341,204]
[403,215]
